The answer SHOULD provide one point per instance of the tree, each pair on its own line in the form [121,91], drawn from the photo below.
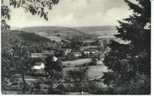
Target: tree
[76,42]
[55,72]
[35,7]
[78,78]
[130,63]
[16,60]
[15,57]
[54,68]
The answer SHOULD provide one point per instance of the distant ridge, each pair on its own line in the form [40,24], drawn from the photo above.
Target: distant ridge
[99,30]
[81,29]
[48,29]
[96,28]
[73,31]
[61,32]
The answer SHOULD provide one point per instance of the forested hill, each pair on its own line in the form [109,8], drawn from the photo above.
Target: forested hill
[30,38]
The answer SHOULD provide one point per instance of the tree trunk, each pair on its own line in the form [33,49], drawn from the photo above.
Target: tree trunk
[24,83]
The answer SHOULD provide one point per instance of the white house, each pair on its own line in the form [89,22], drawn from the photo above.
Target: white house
[38,66]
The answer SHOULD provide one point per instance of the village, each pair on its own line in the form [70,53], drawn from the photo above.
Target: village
[79,67]
[90,52]
[88,58]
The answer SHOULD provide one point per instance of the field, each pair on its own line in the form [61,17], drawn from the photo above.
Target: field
[93,72]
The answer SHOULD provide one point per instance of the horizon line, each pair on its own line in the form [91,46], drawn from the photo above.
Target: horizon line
[61,26]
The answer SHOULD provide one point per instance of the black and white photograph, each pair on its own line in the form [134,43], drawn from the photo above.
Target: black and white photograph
[76,47]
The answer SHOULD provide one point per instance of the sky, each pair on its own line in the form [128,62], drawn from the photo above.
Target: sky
[73,13]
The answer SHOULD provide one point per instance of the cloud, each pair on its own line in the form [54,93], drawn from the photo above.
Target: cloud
[76,13]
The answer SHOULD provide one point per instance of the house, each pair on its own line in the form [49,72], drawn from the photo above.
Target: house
[67,51]
[90,52]
[38,68]
[54,59]
[76,54]
[86,52]
[38,60]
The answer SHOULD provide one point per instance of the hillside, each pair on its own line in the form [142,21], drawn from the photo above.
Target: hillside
[59,33]
[56,33]
[29,38]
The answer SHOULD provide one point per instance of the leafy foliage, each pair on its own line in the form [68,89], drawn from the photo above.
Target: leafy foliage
[35,7]
[76,42]
[5,12]
[130,63]
[16,49]
[15,60]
